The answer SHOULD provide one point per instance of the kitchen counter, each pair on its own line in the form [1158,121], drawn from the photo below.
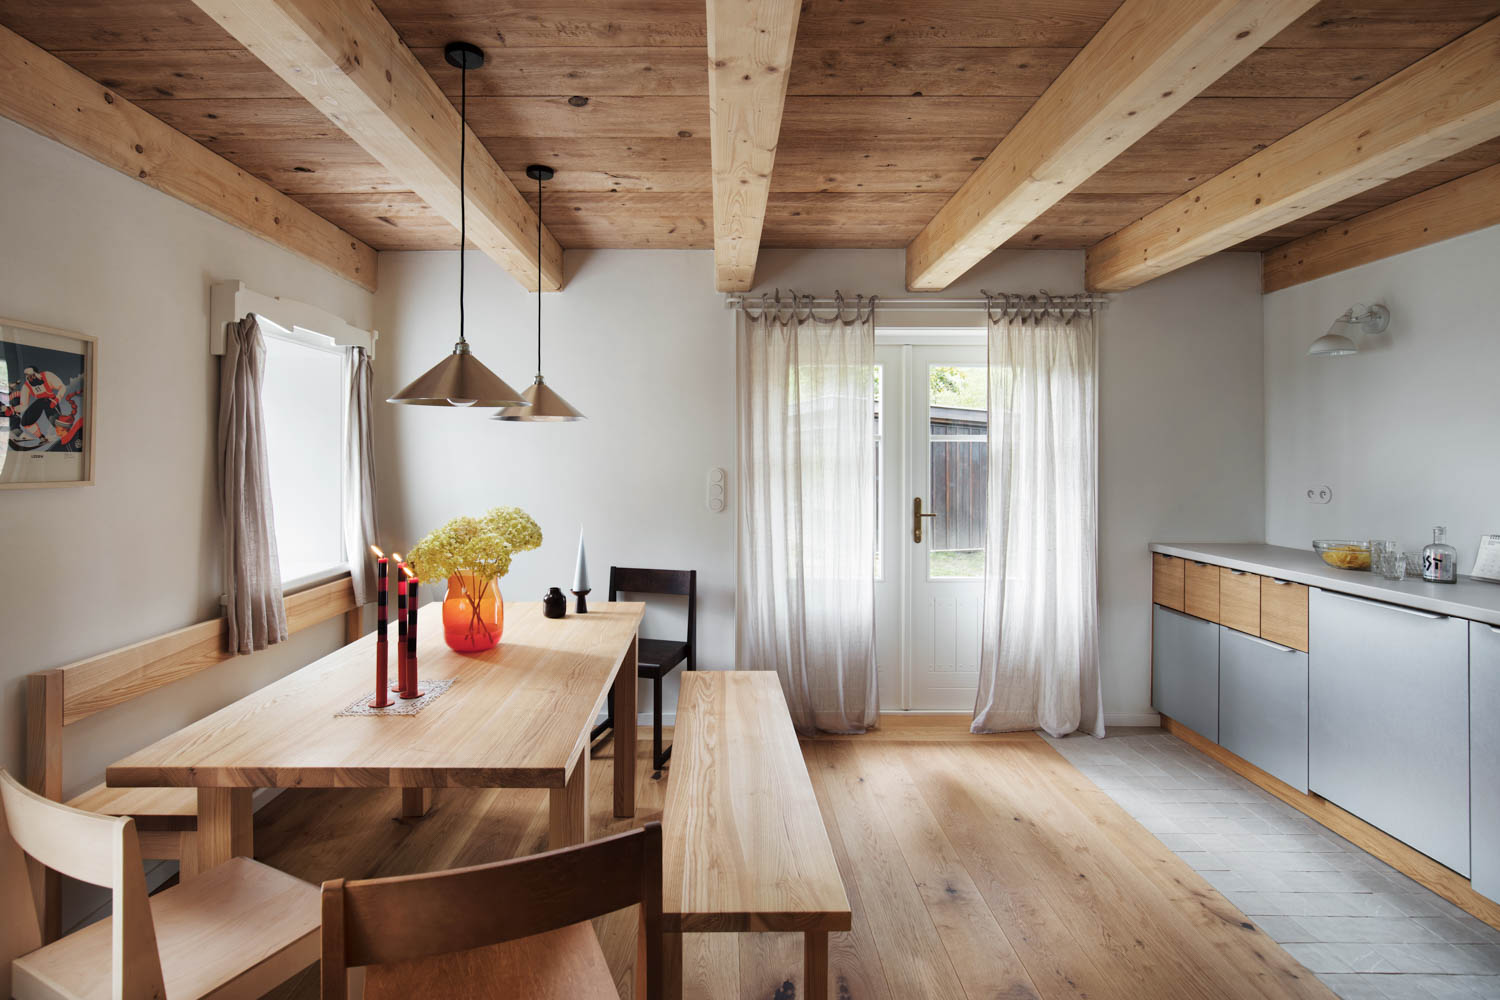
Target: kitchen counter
[1469,598]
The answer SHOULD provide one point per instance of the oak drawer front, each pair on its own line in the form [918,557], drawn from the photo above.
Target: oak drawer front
[1167,580]
[1283,612]
[1200,590]
[1239,600]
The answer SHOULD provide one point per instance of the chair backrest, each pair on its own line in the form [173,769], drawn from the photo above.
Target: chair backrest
[407,918]
[101,850]
[667,582]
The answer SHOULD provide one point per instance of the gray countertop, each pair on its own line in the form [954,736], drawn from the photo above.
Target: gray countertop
[1469,598]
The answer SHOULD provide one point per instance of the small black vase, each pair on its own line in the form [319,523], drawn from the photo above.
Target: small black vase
[555,604]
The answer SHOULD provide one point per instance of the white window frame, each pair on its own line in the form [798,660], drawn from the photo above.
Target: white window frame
[299,323]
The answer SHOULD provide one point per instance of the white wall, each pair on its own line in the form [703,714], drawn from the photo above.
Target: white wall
[1407,431]
[642,344]
[1181,445]
[94,568]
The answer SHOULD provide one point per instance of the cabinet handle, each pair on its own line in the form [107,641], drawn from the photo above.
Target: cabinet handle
[1383,604]
[1240,572]
[1279,583]
[1268,642]
[1494,628]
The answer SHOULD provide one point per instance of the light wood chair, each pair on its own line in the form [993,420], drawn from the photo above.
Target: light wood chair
[236,931]
[504,930]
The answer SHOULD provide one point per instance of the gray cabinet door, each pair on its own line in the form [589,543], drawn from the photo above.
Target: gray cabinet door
[1185,670]
[1388,716]
[1484,742]
[1263,704]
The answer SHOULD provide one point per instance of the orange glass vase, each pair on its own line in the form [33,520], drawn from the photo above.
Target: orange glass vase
[473,613]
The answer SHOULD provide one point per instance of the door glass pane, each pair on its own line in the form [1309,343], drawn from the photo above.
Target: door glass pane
[958,463]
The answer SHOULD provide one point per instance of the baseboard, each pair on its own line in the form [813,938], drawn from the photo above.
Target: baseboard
[1151,719]
[1407,860]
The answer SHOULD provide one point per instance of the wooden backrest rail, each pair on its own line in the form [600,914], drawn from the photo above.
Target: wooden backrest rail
[409,918]
[64,695]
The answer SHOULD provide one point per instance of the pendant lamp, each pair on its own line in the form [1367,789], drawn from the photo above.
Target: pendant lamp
[460,379]
[543,403]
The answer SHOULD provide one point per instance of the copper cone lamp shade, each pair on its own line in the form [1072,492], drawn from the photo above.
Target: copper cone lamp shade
[542,403]
[460,379]
[545,405]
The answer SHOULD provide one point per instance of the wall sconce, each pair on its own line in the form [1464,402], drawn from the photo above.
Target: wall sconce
[1371,321]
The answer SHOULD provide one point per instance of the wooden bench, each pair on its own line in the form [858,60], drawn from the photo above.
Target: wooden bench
[165,818]
[744,847]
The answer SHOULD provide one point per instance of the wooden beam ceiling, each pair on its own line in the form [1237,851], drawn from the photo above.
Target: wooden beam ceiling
[1461,206]
[1446,102]
[349,63]
[47,96]
[1148,60]
[749,62]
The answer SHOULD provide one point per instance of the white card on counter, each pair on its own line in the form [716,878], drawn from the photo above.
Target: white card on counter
[1487,562]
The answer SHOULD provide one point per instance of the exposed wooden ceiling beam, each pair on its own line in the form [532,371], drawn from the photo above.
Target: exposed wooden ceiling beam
[1432,109]
[1149,59]
[47,96]
[349,63]
[749,58]
[1461,206]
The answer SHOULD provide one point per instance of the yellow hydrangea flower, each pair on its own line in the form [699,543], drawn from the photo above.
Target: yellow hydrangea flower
[481,546]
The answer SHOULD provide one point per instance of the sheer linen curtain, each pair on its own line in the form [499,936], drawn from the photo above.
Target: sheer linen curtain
[252,571]
[805,600]
[1039,650]
[358,457]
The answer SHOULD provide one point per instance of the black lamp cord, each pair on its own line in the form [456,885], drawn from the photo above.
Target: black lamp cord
[538,275]
[463,201]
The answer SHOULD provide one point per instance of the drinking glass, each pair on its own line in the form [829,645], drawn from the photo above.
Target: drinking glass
[1380,551]
[1393,564]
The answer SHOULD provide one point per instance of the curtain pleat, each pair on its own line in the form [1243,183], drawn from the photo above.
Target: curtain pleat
[805,601]
[358,459]
[252,572]
[1039,651]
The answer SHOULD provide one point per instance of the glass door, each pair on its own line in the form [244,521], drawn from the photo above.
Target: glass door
[933,438]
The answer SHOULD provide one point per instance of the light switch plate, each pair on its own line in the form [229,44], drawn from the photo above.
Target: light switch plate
[717,496]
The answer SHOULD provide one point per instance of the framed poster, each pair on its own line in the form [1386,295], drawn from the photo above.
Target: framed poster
[48,407]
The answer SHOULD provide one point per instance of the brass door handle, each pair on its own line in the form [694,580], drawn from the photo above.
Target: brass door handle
[916,519]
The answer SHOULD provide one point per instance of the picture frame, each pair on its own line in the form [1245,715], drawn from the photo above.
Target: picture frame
[47,407]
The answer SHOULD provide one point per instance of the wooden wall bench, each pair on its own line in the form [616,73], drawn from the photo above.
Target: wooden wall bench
[166,818]
[744,844]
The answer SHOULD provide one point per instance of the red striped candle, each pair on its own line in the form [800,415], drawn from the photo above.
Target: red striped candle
[411,689]
[400,684]
[382,646]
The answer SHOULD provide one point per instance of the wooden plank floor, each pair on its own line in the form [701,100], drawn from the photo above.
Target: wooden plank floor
[978,868]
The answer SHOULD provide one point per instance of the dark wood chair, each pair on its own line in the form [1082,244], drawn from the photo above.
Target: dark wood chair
[503,930]
[657,657]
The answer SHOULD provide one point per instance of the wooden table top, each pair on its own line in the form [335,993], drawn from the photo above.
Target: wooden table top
[516,716]
[744,846]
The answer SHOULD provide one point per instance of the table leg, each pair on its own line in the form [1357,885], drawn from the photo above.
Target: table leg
[671,966]
[226,827]
[815,965]
[415,802]
[626,685]
[568,816]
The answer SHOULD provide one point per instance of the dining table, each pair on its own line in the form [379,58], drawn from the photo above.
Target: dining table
[517,715]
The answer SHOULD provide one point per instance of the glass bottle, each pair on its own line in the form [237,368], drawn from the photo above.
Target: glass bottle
[1440,560]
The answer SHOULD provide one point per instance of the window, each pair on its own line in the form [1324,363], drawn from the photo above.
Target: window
[303,399]
[957,439]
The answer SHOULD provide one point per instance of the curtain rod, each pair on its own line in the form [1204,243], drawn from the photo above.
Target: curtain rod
[736,299]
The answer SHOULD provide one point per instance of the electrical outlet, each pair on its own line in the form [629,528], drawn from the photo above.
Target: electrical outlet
[718,491]
[1319,494]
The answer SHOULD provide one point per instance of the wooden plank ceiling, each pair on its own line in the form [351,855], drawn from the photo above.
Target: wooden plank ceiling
[890,106]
